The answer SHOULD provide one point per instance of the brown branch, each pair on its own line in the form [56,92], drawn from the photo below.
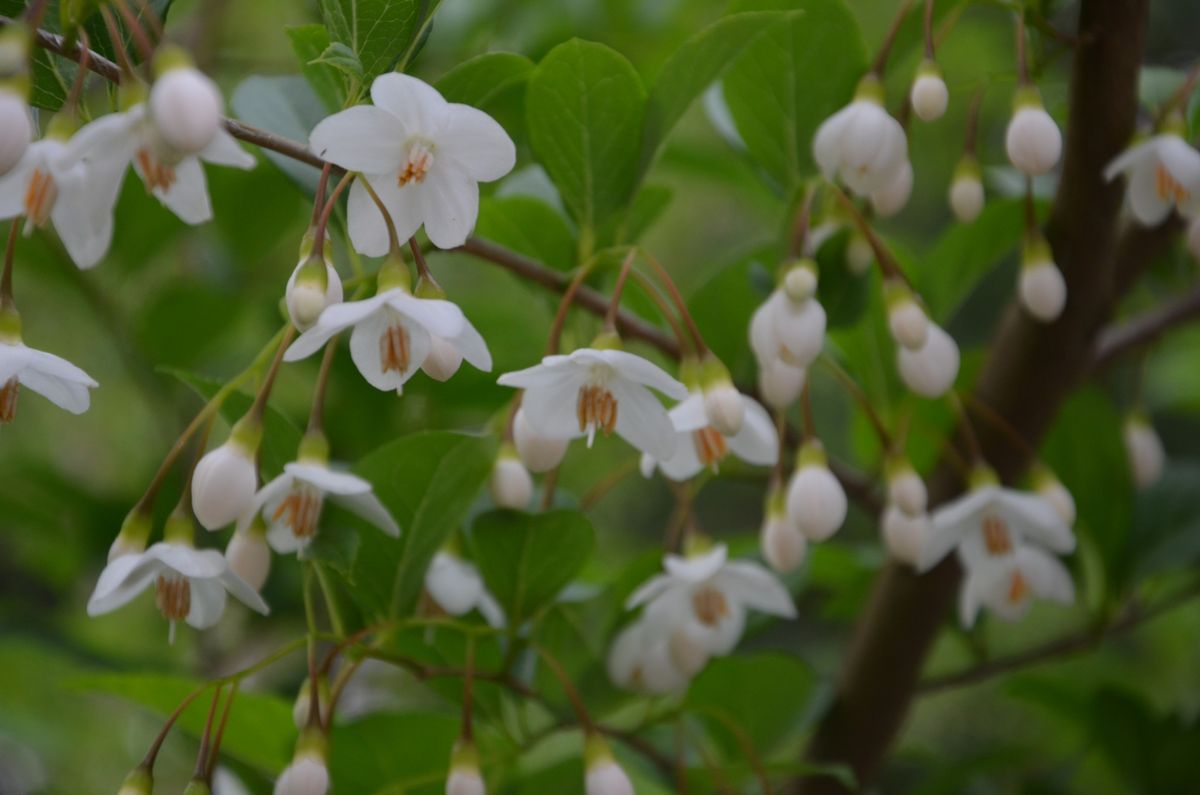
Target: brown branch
[1142,330]
[1077,643]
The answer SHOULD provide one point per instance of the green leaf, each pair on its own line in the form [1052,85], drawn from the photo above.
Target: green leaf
[585,105]
[427,481]
[763,694]
[379,32]
[1166,521]
[649,204]
[287,106]
[527,559]
[391,752]
[342,58]
[723,306]
[692,68]
[793,78]
[481,80]
[260,732]
[530,227]
[308,42]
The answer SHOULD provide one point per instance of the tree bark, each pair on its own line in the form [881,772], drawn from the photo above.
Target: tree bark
[1031,370]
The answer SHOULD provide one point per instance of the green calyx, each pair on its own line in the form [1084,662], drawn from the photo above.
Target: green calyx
[896,292]
[508,451]
[171,56]
[179,528]
[897,466]
[62,125]
[982,476]
[130,93]
[607,341]
[1036,252]
[1137,418]
[714,373]
[690,372]
[1174,124]
[135,530]
[811,454]
[1043,477]
[595,751]
[314,448]
[799,279]
[197,787]
[16,43]
[10,324]
[776,504]
[393,275]
[929,68]
[313,273]
[428,288]
[464,757]
[697,544]
[140,781]
[247,433]
[1027,97]
[313,742]
[968,168]
[870,89]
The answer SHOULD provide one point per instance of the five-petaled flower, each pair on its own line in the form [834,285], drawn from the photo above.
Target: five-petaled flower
[456,588]
[423,156]
[53,377]
[699,445]
[1163,174]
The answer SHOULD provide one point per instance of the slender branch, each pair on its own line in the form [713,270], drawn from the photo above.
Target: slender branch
[1077,643]
[1142,330]
[889,38]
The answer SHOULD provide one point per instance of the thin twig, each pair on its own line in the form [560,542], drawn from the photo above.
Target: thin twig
[1142,330]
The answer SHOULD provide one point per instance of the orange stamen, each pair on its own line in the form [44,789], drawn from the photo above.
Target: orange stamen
[173,595]
[596,408]
[393,349]
[710,605]
[711,446]
[996,537]
[300,511]
[8,400]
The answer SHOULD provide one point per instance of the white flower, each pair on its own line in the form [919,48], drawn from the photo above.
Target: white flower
[787,329]
[783,546]
[992,521]
[893,197]
[904,533]
[1051,489]
[592,389]
[1042,289]
[511,485]
[443,361]
[393,335]
[189,584]
[176,179]
[780,383]
[308,774]
[456,587]
[724,407]
[1032,140]
[642,659]
[907,321]
[16,129]
[1147,458]
[1163,173]
[291,504]
[816,502]
[52,183]
[699,445]
[706,597]
[930,370]
[539,453]
[861,144]
[801,280]
[603,775]
[966,191]
[313,287]
[929,96]
[185,106]
[1008,586]
[53,377]
[249,556]
[423,156]
[225,479]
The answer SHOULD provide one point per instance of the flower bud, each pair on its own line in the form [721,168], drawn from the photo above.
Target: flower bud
[930,371]
[140,781]
[816,502]
[893,197]
[907,321]
[859,254]
[465,778]
[723,404]
[226,478]
[1051,489]
[784,547]
[308,774]
[929,96]
[904,534]
[249,556]
[1042,289]
[800,281]
[780,383]
[313,286]
[197,786]
[966,191]
[1147,458]
[303,702]
[16,129]
[1193,238]
[1033,141]
[538,453]
[906,490]
[185,105]
[799,327]
[511,484]
[604,776]
[443,360]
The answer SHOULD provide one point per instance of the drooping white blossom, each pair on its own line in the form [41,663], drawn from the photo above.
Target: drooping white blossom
[929,96]
[457,588]
[599,389]
[423,156]
[1033,141]
[1008,586]
[904,533]
[185,104]
[313,287]
[893,197]
[861,145]
[907,320]
[16,128]
[511,485]
[603,775]
[642,658]
[816,501]
[1042,289]
[50,376]
[539,453]
[308,772]
[931,369]
[783,545]
[966,190]
[249,555]
[1162,174]
[226,478]
[464,777]
[700,446]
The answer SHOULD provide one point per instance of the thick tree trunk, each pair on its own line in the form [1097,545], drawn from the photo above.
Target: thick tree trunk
[1032,369]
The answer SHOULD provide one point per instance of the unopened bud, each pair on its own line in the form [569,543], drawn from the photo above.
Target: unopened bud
[906,490]
[723,404]
[538,453]
[800,281]
[465,778]
[443,360]
[140,781]
[907,321]
[816,502]
[185,105]
[249,556]
[16,129]
[893,197]
[966,190]
[859,254]
[1042,289]
[313,286]
[931,370]
[226,478]
[604,776]
[303,703]
[1032,140]
[784,547]
[780,383]
[511,484]
[308,773]
[905,534]
[929,96]
[1147,458]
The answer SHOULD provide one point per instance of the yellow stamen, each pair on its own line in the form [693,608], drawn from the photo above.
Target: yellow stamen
[1168,188]
[596,408]
[40,194]
[1018,588]
[300,511]
[173,595]
[155,173]
[393,349]
[996,537]
[711,447]
[710,605]
[416,167]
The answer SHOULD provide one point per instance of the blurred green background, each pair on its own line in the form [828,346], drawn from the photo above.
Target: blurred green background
[1122,718]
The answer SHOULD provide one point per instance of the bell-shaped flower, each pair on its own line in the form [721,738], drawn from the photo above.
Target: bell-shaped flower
[1042,289]
[1163,174]
[189,584]
[907,321]
[185,104]
[966,190]
[787,328]
[861,144]
[1008,586]
[511,485]
[393,332]
[456,587]
[423,156]
[599,389]
[308,772]
[783,545]
[314,285]
[642,659]
[905,489]
[706,596]
[465,778]
[816,501]
[53,377]
[930,370]
[991,521]
[780,383]
[701,446]
[249,555]
[904,533]
[291,504]
[1032,140]
[175,178]
[603,775]
[929,95]
[226,477]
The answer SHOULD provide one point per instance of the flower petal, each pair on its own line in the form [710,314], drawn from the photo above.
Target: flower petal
[208,603]
[643,371]
[365,349]
[440,317]
[642,421]
[369,507]
[449,201]
[757,442]
[477,143]
[188,195]
[121,581]
[697,568]
[754,586]
[226,151]
[361,138]
[334,319]
[550,408]
[244,592]
[418,106]
[690,414]
[189,562]
[1037,519]
[326,479]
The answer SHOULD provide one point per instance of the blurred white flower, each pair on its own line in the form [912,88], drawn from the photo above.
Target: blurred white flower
[816,501]
[701,446]
[930,370]
[1163,174]
[1032,140]
[16,128]
[539,453]
[185,104]
[53,377]
[929,96]
[1147,458]
[456,587]
[861,144]
[1008,585]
